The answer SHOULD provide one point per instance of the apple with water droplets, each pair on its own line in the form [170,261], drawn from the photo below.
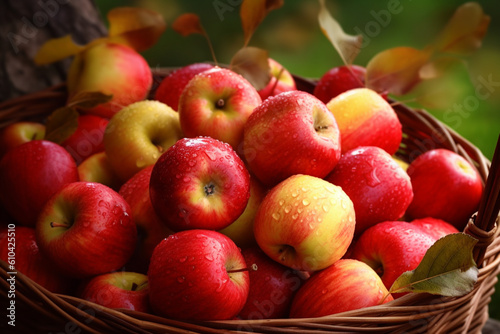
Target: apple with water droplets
[217,103]
[198,275]
[86,229]
[199,183]
[305,223]
[344,286]
[119,289]
[339,79]
[138,134]
[434,227]
[291,133]
[378,187]
[445,186]
[391,248]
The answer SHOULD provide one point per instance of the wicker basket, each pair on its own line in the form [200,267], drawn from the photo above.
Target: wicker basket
[40,311]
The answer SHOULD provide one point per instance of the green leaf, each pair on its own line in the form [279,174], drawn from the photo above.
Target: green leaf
[252,63]
[348,46]
[87,100]
[447,269]
[61,124]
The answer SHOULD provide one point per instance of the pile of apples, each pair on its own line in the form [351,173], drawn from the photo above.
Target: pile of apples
[214,200]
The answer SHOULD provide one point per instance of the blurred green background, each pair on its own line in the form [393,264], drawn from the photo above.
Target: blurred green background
[292,36]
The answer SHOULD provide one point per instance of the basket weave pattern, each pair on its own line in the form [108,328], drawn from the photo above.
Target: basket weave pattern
[40,311]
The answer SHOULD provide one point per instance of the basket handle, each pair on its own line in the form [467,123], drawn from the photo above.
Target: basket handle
[483,224]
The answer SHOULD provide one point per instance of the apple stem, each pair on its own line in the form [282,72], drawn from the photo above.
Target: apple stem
[277,80]
[160,148]
[220,104]
[237,270]
[383,299]
[55,224]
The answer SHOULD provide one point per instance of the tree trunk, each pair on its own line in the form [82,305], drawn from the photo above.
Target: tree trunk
[25,25]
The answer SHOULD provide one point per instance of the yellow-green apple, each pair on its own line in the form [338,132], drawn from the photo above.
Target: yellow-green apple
[378,187]
[138,134]
[170,88]
[97,168]
[217,103]
[113,69]
[150,228]
[436,228]
[88,137]
[19,133]
[30,174]
[339,79]
[366,119]
[18,247]
[291,133]
[241,230]
[86,229]
[305,223]
[391,248]
[445,186]
[199,183]
[119,289]
[272,287]
[197,275]
[281,81]
[344,286]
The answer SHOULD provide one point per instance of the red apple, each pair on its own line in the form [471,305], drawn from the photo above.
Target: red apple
[217,103]
[291,133]
[281,81]
[198,275]
[305,223]
[138,134]
[113,69]
[18,247]
[87,139]
[150,228]
[199,183]
[338,80]
[118,289]
[272,287]
[366,119]
[391,248]
[170,89]
[30,174]
[97,168]
[378,187]
[19,133]
[436,228]
[445,186]
[344,286]
[86,229]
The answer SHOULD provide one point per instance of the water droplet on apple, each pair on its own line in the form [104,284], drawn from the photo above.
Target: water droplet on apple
[181,279]
[183,259]
[281,202]
[324,291]
[305,202]
[325,208]
[276,216]
[299,210]
[211,155]
[294,194]
[267,278]
[287,209]
[295,216]
[209,257]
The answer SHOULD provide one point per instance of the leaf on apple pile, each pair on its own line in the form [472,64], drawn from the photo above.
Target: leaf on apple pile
[87,100]
[138,28]
[399,70]
[447,269]
[348,46]
[61,124]
[252,12]
[252,63]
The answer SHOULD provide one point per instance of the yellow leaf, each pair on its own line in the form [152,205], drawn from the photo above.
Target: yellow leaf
[57,49]
[465,30]
[188,24]
[396,70]
[252,63]
[138,28]
[252,12]
[348,46]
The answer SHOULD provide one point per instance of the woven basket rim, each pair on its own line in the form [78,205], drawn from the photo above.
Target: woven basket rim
[422,132]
